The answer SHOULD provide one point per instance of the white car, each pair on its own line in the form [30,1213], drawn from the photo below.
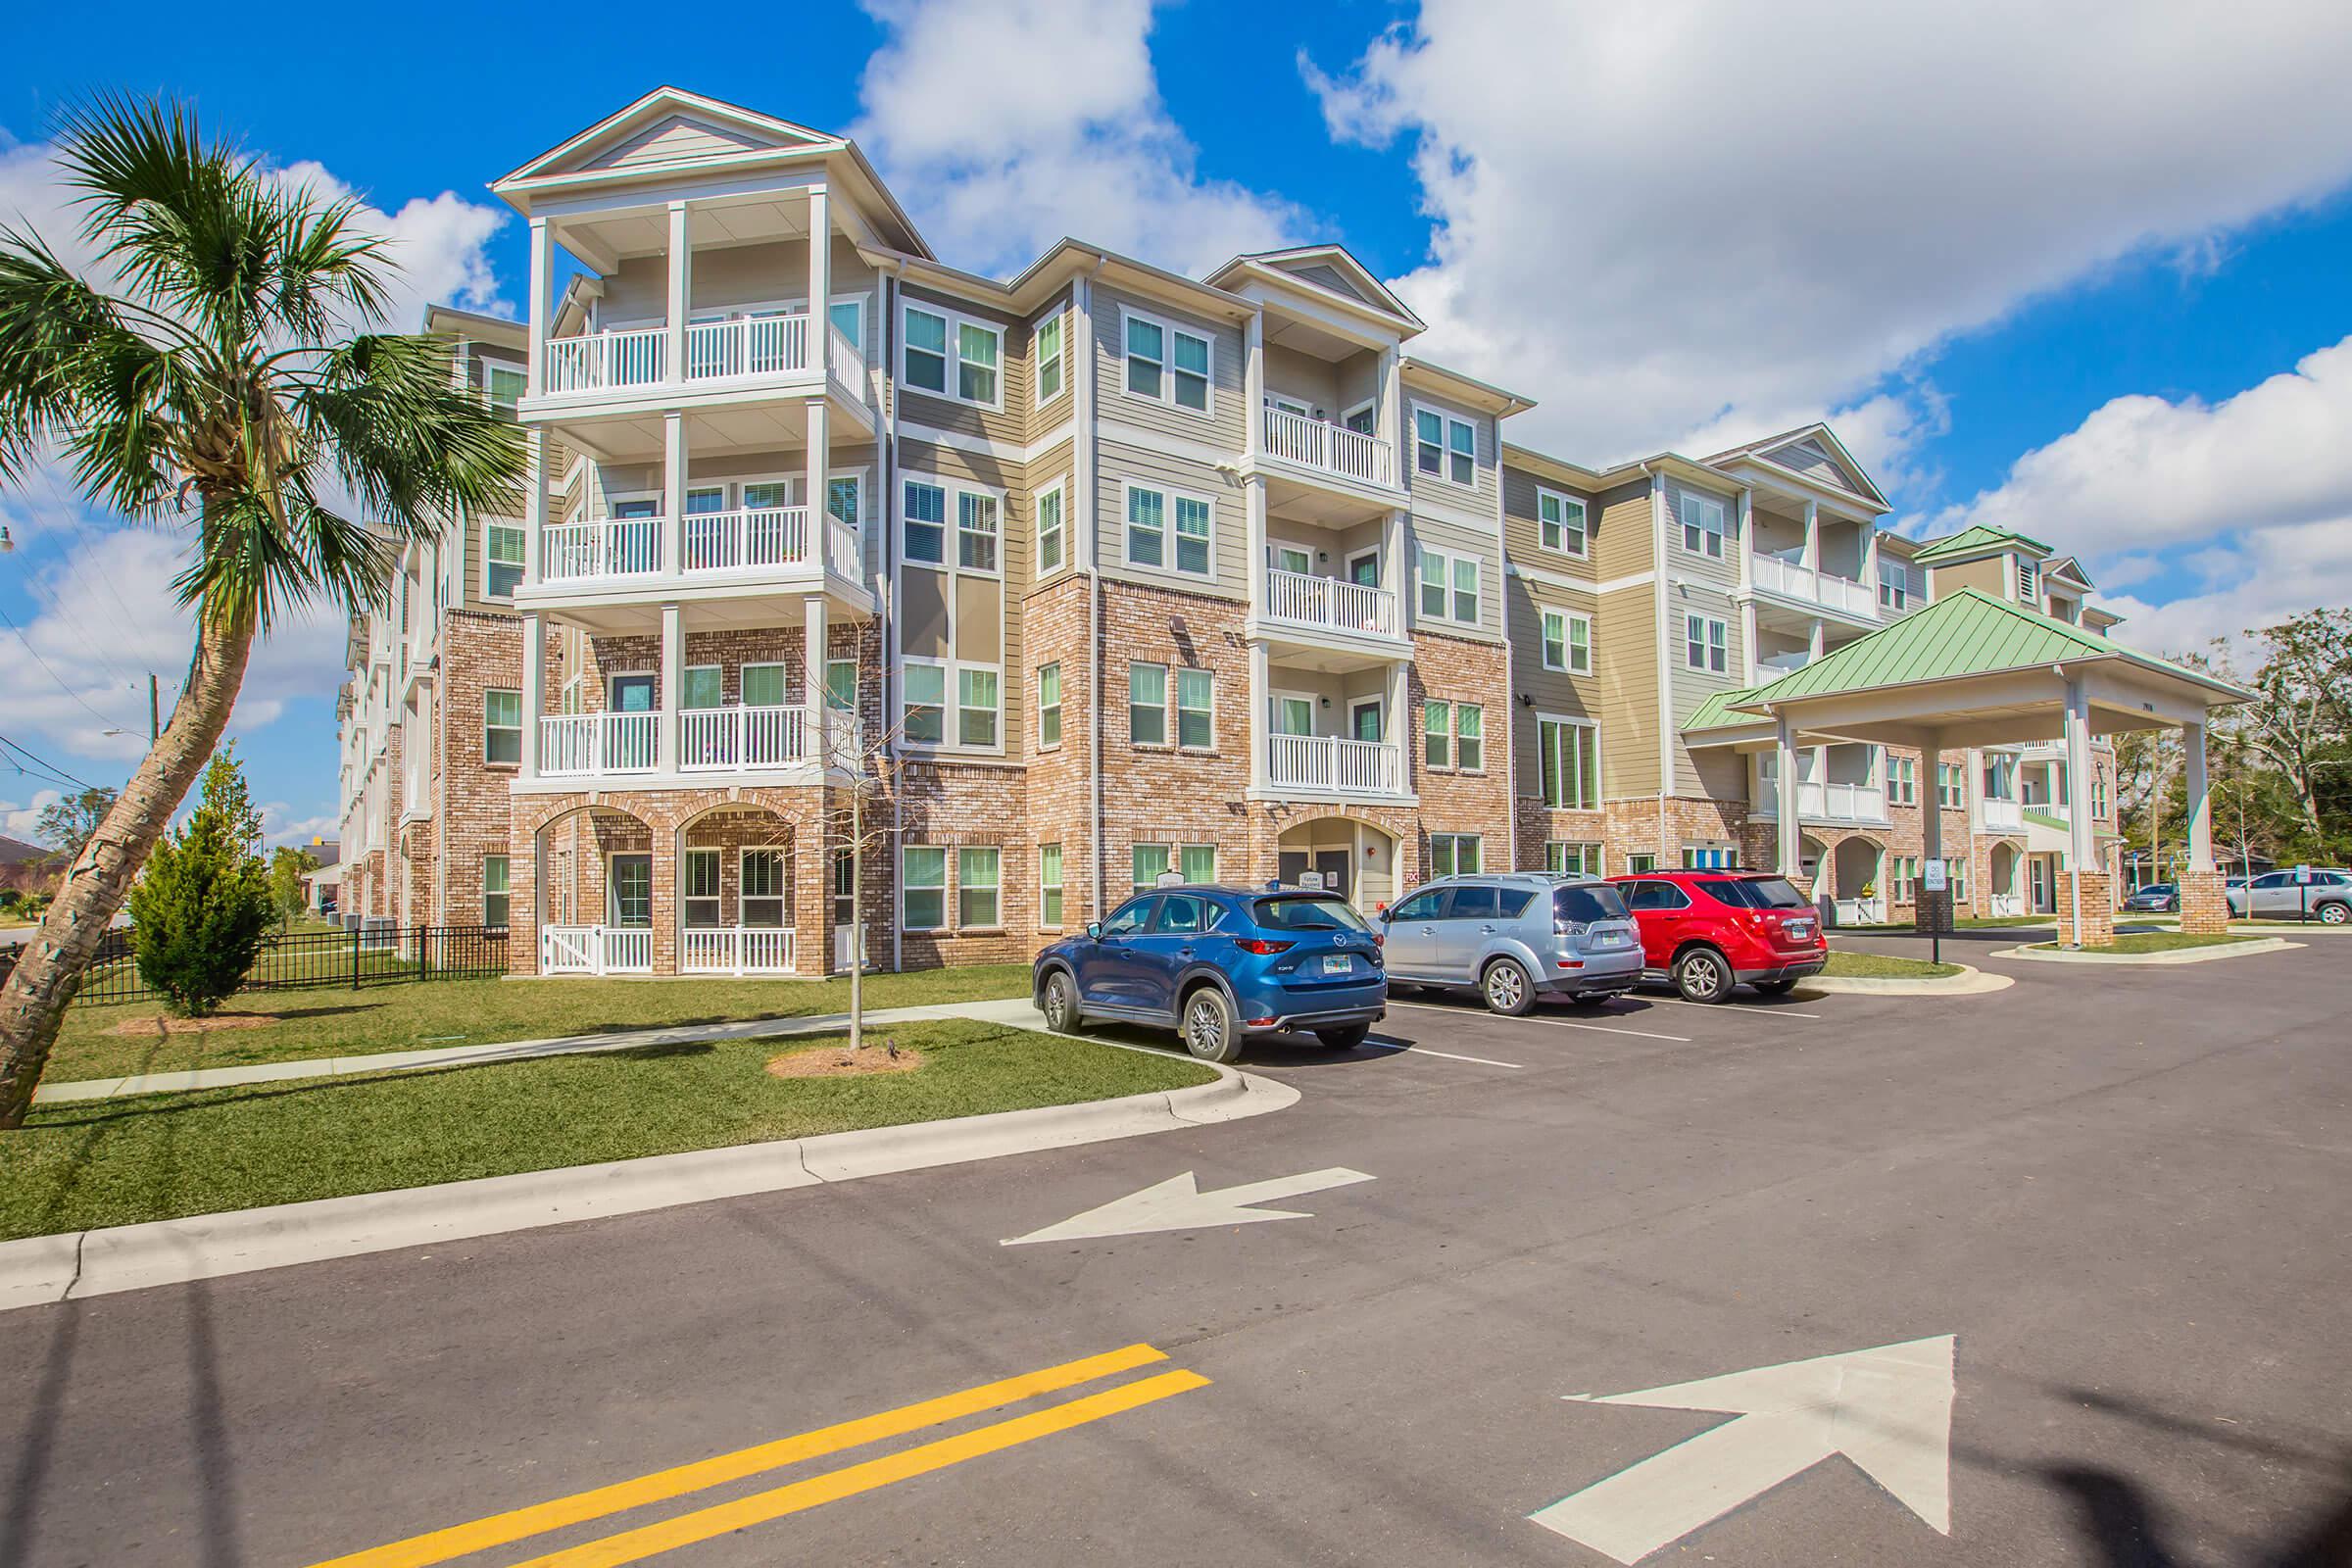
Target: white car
[2277,895]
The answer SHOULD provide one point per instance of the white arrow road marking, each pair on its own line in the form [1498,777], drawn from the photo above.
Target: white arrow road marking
[1889,1409]
[1179,1205]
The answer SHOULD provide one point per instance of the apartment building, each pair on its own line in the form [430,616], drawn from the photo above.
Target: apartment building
[1119,572]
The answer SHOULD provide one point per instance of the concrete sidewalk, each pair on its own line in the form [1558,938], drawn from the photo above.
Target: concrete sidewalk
[1010,1009]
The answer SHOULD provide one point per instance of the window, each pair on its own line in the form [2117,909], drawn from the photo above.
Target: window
[760,903]
[1048,886]
[1453,854]
[1706,643]
[1957,870]
[1895,585]
[1148,541]
[1195,863]
[978,874]
[699,686]
[1053,533]
[922,887]
[1148,705]
[2025,580]
[1636,863]
[1150,861]
[1448,587]
[763,686]
[1568,642]
[1147,527]
[1048,706]
[1902,781]
[1444,447]
[494,890]
[925,364]
[1469,737]
[841,684]
[926,702]
[1195,703]
[2098,794]
[1710,858]
[502,727]
[501,560]
[924,531]
[1437,734]
[849,316]
[1191,535]
[1568,763]
[977,349]
[698,888]
[1951,784]
[975,706]
[1561,858]
[501,389]
[1902,878]
[1702,518]
[1048,351]
[844,498]
[1560,523]
[1167,364]
[975,531]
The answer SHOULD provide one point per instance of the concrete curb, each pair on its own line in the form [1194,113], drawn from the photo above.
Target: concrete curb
[2227,949]
[44,1269]
[1969,981]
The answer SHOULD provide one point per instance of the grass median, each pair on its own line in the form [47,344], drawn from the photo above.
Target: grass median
[2166,942]
[1848,965]
[162,1156]
[473,1012]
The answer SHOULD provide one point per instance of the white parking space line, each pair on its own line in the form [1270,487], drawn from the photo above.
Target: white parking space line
[1556,1023]
[1424,1051]
[1734,1010]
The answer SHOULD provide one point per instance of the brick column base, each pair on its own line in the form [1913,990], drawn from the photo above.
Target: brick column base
[2098,910]
[2204,903]
[1931,912]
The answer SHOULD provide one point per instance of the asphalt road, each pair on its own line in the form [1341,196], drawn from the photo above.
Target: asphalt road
[2122,1194]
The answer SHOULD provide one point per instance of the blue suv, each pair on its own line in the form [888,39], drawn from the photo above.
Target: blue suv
[1217,964]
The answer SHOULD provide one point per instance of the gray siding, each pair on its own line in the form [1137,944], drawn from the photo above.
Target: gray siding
[1117,463]
[1225,429]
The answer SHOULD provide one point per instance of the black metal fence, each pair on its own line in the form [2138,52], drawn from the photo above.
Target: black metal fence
[316,960]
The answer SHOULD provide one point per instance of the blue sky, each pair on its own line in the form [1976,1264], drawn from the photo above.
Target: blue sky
[2094,290]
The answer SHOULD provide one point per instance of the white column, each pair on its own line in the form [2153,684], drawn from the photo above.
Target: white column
[1262,698]
[682,294]
[2077,774]
[1813,534]
[812,627]
[1785,826]
[1253,491]
[534,692]
[820,279]
[543,309]
[1391,414]
[1392,566]
[1931,807]
[673,493]
[815,484]
[1254,383]
[1748,634]
[534,512]
[1747,555]
[674,660]
[1870,560]
[1395,727]
[1817,641]
[2201,798]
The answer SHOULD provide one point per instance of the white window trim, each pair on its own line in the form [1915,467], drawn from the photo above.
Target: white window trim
[1176,674]
[1448,419]
[518,726]
[720,670]
[958,489]
[1584,529]
[956,321]
[1478,569]
[717,899]
[944,887]
[1167,397]
[1590,726]
[1038,707]
[1355,409]
[522,567]
[1708,626]
[1060,489]
[1379,704]
[1569,618]
[955,858]
[1167,705]
[947,703]
[1169,496]
[1037,381]
[1724,507]
[1457,840]
[953,731]
[1061,886]
[1480,709]
[1347,566]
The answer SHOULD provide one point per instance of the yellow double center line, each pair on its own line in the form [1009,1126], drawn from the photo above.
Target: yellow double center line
[632,1546]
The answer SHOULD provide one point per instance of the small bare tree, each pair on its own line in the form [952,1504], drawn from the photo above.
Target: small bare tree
[870,764]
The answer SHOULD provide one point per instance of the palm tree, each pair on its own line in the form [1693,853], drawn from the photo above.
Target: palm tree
[221,376]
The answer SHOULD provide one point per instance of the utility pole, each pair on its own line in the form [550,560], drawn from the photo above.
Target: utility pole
[155,711]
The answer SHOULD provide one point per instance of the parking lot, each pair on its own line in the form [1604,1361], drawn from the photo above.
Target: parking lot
[2053,1275]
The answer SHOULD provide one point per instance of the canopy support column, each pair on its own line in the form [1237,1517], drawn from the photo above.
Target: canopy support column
[2204,895]
[2087,904]
[1790,832]
[1933,911]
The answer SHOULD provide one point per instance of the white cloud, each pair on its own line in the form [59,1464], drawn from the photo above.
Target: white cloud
[1010,125]
[23,821]
[440,244]
[279,826]
[1730,215]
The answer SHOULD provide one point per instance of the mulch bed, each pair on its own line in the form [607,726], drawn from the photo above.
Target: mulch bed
[840,1061]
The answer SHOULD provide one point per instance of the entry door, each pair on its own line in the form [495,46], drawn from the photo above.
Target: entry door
[2039,869]
[630,746]
[1364,570]
[1364,721]
[629,891]
[1333,863]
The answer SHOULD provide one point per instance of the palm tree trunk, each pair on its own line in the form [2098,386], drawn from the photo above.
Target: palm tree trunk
[49,967]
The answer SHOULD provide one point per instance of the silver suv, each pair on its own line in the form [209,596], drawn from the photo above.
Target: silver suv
[1512,937]
[2277,895]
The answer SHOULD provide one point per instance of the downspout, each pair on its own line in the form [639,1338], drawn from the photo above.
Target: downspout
[1082,466]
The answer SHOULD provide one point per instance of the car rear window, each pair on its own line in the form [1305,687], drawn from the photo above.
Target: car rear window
[1310,913]
[1588,903]
[1754,893]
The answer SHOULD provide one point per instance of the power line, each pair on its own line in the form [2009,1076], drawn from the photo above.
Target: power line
[11,751]
[9,621]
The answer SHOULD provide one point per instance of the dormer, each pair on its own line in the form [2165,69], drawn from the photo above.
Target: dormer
[1999,562]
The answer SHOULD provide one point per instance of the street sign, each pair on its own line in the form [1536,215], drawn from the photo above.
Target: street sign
[1179,1205]
[2303,875]
[1889,1409]
[1932,878]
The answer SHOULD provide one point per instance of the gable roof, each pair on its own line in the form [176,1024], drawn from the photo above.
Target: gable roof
[16,851]
[650,116]
[1977,538]
[1823,439]
[1302,263]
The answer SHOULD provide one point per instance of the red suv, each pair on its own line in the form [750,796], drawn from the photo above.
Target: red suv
[1708,931]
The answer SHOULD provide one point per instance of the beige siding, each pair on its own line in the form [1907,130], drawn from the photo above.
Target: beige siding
[1522,531]
[1625,631]
[1692,687]
[1478,496]
[987,622]
[1685,565]
[1556,693]
[1118,464]
[1304,378]
[1225,425]
[675,137]
[1009,424]
[1623,532]
[1456,539]
[1989,576]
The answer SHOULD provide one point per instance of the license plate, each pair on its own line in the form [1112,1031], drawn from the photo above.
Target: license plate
[1800,929]
[1338,963]
[1609,939]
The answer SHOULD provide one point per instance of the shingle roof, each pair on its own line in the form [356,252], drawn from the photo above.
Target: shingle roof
[1975,537]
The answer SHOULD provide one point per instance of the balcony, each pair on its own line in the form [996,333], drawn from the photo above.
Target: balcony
[596,950]
[1331,604]
[1327,764]
[591,745]
[2002,816]
[1328,448]
[1823,802]
[735,949]
[772,540]
[710,740]
[1787,579]
[744,351]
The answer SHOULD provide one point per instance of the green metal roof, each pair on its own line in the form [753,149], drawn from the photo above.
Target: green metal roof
[1716,712]
[1966,633]
[1976,537]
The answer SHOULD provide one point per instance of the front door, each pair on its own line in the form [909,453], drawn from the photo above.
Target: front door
[1333,863]
[2039,867]
[630,745]
[1364,570]
[1411,946]
[1364,721]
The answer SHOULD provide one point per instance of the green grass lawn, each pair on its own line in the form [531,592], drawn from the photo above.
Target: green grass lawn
[460,1013]
[2167,941]
[1849,966]
[158,1157]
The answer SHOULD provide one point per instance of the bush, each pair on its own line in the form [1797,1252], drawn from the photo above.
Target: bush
[203,906]
[10,898]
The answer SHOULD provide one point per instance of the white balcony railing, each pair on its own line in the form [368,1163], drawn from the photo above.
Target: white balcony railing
[1861,912]
[735,949]
[1332,447]
[583,745]
[747,346]
[1329,763]
[844,552]
[1303,599]
[1773,669]
[1794,580]
[2050,808]
[1828,803]
[2002,816]
[596,950]
[600,546]
[600,362]
[843,361]
[746,541]
[718,739]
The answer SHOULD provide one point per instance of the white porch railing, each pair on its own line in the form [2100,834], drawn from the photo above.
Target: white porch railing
[581,745]
[746,541]
[596,361]
[735,949]
[2053,808]
[843,361]
[1861,912]
[843,554]
[596,950]
[1769,669]
[753,345]
[1844,802]
[1303,599]
[1794,580]
[717,738]
[2002,816]
[1333,448]
[1329,763]
[600,546]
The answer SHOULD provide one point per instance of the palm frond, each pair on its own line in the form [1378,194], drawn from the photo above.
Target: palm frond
[411,446]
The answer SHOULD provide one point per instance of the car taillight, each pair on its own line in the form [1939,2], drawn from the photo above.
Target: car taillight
[1380,939]
[1259,945]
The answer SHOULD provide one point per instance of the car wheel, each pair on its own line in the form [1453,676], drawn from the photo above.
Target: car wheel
[2333,913]
[1775,988]
[1506,989]
[1059,1004]
[1701,975]
[1211,1032]
[1346,1038]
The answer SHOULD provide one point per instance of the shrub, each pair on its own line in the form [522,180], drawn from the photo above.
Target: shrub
[203,907]
[10,898]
